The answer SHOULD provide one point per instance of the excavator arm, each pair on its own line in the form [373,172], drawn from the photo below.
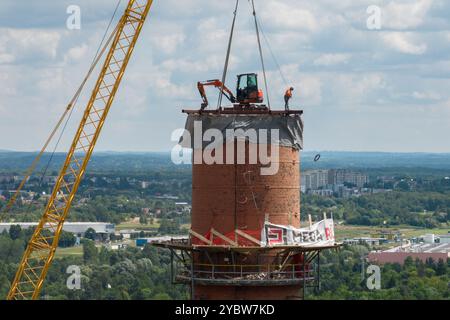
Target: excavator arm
[218,84]
[41,248]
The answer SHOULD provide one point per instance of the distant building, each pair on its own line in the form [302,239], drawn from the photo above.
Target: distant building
[6,178]
[167,196]
[141,242]
[313,180]
[118,246]
[183,207]
[78,228]
[386,179]
[333,179]
[49,179]
[415,251]
[322,192]
[341,176]
[366,240]
[129,234]
[375,191]
[429,238]
[20,178]
[444,238]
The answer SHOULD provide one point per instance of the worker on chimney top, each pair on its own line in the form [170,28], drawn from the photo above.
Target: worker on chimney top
[287,97]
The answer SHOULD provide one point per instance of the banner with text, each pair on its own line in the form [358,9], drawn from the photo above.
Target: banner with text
[317,235]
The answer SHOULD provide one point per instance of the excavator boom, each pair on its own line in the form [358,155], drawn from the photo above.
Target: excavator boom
[218,84]
[41,248]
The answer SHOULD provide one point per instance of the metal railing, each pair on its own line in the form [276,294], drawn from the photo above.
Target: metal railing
[249,273]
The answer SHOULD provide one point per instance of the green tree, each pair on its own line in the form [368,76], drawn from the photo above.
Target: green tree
[67,239]
[104,256]
[161,296]
[169,226]
[90,252]
[143,220]
[15,232]
[441,268]
[90,234]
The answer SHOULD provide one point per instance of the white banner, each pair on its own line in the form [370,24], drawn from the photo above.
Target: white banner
[318,235]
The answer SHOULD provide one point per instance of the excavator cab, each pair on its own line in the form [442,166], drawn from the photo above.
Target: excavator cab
[247,89]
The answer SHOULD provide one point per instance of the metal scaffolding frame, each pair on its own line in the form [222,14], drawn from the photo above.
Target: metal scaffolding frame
[281,272]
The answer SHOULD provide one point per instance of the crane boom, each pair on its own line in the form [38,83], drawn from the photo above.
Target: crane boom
[41,248]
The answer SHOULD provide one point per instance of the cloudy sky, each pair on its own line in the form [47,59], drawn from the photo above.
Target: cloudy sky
[361,89]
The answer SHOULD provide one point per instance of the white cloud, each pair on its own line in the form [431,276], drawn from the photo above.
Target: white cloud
[420,95]
[352,90]
[331,59]
[168,43]
[51,81]
[185,65]
[211,35]
[8,84]
[309,90]
[403,43]
[76,53]
[6,58]
[308,86]
[285,16]
[399,15]
[28,43]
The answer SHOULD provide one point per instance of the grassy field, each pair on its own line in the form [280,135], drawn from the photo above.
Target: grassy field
[136,225]
[345,231]
[69,252]
[414,232]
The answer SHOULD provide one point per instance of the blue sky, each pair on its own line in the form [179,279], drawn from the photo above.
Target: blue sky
[361,90]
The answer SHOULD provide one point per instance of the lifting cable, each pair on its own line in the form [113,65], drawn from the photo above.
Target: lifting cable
[272,54]
[68,111]
[227,59]
[261,52]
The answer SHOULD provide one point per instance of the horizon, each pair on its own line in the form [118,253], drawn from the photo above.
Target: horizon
[301,151]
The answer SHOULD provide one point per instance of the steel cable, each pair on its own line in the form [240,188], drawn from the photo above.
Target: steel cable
[227,59]
[261,53]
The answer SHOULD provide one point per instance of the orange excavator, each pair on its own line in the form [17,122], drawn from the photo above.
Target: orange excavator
[247,91]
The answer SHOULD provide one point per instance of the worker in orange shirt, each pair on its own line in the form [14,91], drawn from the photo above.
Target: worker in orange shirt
[287,97]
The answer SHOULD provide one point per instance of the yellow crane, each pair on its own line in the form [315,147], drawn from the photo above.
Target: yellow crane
[41,248]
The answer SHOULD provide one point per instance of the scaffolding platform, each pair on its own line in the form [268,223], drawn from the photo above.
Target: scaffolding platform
[185,244]
[282,271]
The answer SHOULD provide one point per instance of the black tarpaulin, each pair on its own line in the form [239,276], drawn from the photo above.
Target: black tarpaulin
[289,129]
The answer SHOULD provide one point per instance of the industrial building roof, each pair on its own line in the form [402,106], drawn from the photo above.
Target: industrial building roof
[423,248]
